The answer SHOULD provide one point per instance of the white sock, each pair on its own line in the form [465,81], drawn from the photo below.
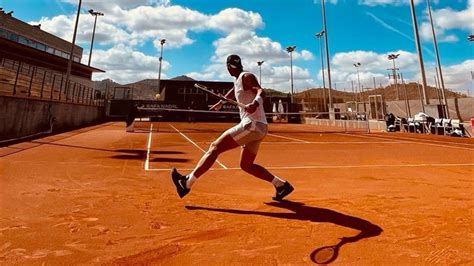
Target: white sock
[277,182]
[191,179]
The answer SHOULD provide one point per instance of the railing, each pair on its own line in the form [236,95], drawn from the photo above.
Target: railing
[24,80]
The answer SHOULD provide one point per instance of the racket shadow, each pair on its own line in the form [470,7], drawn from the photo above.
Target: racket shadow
[322,255]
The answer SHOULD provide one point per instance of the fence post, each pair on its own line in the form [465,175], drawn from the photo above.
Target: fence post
[82,94]
[61,88]
[33,72]
[42,84]
[16,78]
[52,86]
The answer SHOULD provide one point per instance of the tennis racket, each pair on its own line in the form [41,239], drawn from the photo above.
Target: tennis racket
[207,90]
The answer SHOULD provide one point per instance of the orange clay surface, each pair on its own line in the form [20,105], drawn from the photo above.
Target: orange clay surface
[98,196]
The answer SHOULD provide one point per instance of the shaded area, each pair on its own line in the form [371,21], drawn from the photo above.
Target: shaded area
[303,212]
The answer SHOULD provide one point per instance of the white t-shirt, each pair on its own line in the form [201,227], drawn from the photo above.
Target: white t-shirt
[246,97]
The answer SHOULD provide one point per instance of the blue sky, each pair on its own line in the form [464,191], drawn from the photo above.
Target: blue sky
[201,33]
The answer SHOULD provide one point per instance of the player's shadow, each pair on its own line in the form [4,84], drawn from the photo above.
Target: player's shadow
[302,212]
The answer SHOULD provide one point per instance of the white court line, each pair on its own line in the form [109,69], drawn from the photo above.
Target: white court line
[194,143]
[321,142]
[147,161]
[414,141]
[340,166]
[278,136]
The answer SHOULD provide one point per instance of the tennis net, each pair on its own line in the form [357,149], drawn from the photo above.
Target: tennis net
[201,121]
[167,120]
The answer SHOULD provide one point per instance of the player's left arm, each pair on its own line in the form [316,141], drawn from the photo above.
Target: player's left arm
[249,82]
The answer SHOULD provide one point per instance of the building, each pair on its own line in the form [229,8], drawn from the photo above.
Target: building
[34,64]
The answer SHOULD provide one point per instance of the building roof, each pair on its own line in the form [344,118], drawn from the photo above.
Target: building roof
[39,58]
[36,33]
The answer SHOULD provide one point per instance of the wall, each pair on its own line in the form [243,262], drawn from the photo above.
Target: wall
[21,117]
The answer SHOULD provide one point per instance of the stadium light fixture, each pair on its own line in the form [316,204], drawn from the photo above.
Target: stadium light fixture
[290,50]
[162,43]
[260,63]
[361,93]
[95,14]
[393,57]
[320,35]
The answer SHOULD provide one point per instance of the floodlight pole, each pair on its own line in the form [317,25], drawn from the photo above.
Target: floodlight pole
[260,63]
[290,50]
[393,57]
[420,54]
[95,14]
[320,35]
[323,6]
[438,61]
[162,42]
[71,53]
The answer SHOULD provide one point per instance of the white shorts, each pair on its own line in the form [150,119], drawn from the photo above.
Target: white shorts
[249,135]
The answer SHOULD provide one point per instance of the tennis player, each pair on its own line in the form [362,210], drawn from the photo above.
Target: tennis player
[248,134]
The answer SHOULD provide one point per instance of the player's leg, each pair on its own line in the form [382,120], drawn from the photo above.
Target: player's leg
[247,163]
[224,143]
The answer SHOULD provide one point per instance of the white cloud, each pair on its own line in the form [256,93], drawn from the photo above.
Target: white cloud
[232,19]
[372,65]
[252,48]
[447,19]
[124,64]
[387,2]
[456,77]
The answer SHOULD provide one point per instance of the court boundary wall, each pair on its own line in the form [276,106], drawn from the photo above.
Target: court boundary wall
[22,118]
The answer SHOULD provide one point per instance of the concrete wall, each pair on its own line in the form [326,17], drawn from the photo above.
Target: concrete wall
[21,117]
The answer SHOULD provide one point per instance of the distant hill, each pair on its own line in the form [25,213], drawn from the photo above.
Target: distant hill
[389,93]
[183,77]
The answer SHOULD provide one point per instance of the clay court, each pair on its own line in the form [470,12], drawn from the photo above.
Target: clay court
[100,195]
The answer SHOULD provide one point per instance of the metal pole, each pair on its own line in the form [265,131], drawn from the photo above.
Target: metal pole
[71,54]
[407,103]
[420,54]
[421,98]
[92,42]
[361,95]
[355,97]
[260,63]
[327,52]
[161,60]
[438,61]
[291,74]
[320,36]
[437,86]
[395,77]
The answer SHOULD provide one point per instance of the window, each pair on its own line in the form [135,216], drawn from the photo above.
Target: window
[49,50]
[77,59]
[23,40]
[57,52]
[14,37]
[41,46]
[4,33]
